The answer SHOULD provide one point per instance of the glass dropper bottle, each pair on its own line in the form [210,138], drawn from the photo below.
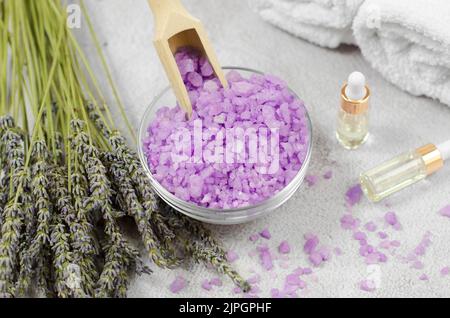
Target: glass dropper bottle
[404,170]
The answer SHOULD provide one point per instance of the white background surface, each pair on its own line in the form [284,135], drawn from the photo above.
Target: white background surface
[399,122]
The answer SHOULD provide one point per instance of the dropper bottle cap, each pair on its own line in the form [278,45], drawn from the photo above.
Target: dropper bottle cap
[355,94]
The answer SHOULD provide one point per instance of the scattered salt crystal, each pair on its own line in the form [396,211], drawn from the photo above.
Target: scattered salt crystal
[254,279]
[216,281]
[391,218]
[265,234]
[316,259]
[348,222]
[337,251]
[367,285]
[232,256]
[359,236]
[254,237]
[307,271]
[265,257]
[445,271]
[370,226]
[328,175]
[424,277]
[206,285]
[311,244]
[311,180]
[382,235]
[177,285]
[445,211]
[353,195]
[237,290]
[284,248]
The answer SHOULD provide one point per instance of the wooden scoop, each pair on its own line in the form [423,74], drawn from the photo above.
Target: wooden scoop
[176,28]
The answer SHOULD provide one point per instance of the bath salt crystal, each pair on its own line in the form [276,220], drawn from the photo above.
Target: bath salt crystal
[367,285]
[206,68]
[359,236]
[424,277]
[265,257]
[445,211]
[284,247]
[265,234]
[382,235]
[232,256]
[206,285]
[328,175]
[370,226]
[312,241]
[311,180]
[348,222]
[254,279]
[177,285]
[195,186]
[307,271]
[195,79]
[353,195]
[315,259]
[254,237]
[391,218]
[445,271]
[216,282]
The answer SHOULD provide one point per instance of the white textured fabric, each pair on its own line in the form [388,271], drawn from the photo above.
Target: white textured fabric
[323,22]
[409,43]
[399,121]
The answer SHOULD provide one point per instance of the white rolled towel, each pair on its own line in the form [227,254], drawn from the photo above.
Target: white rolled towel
[409,43]
[323,22]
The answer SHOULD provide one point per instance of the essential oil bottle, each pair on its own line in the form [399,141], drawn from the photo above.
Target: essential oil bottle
[353,118]
[404,170]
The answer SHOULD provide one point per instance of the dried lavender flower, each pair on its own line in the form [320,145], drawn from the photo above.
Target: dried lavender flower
[206,255]
[158,253]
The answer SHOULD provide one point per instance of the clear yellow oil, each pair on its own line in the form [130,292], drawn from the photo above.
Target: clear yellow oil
[352,129]
[393,176]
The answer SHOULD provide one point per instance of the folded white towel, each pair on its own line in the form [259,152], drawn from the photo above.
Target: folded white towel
[323,22]
[409,43]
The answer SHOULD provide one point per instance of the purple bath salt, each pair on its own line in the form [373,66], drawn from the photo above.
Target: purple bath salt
[311,244]
[206,285]
[232,256]
[353,195]
[265,234]
[445,211]
[370,226]
[284,248]
[177,285]
[328,175]
[265,257]
[203,160]
[311,180]
[391,218]
[360,236]
[348,222]
[424,277]
[445,271]
[367,285]
[254,237]
[216,281]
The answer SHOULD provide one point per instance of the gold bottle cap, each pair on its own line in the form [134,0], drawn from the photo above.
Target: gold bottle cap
[432,158]
[354,107]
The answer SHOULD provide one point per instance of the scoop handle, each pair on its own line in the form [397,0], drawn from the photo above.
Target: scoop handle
[164,7]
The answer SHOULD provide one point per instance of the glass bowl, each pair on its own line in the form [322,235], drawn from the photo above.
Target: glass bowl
[210,215]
